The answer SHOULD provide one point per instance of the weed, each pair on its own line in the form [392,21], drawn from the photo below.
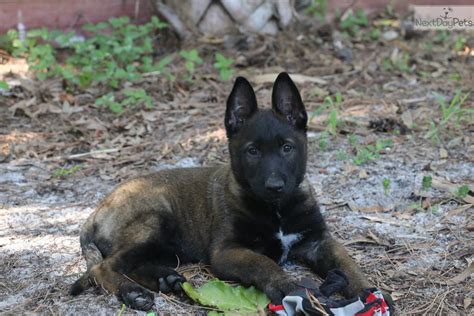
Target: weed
[341,155]
[364,155]
[455,76]
[459,43]
[462,191]
[133,97]
[333,104]
[323,141]
[4,85]
[108,100]
[192,59]
[370,152]
[223,65]
[122,310]
[62,172]
[400,63]
[426,183]
[453,110]
[428,46]
[386,185]
[374,34]
[332,121]
[353,140]
[441,36]
[137,96]
[317,8]
[121,55]
[352,23]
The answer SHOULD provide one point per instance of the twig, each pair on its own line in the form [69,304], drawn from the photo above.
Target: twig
[314,301]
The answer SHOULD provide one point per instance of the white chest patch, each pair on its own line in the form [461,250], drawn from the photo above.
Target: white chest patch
[287,240]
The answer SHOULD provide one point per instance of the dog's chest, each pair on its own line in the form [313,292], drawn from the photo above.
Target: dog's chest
[287,240]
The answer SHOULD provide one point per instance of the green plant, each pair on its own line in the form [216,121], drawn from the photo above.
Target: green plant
[341,155]
[400,63]
[333,104]
[441,36]
[370,152]
[115,51]
[353,140]
[448,112]
[62,172]
[223,65]
[317,8]
[323,140]
[108,100]
[4,85]
[426,183]
[374,34]
[351,23]
[192,59]
[133,97]
[455,76]
[386,185]
[364,155]
[136,97]
[459,43]
[462,191]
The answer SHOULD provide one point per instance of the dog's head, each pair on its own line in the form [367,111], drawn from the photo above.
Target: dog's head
[268,148]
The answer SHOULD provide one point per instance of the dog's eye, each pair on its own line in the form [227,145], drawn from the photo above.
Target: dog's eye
[252,151]
[287,148]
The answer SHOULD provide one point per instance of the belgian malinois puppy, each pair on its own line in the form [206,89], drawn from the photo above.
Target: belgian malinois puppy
[242,219]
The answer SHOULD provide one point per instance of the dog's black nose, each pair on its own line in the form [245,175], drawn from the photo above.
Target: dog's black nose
[274,185]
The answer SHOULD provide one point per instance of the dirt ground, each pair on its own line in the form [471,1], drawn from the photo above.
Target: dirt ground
[60,155]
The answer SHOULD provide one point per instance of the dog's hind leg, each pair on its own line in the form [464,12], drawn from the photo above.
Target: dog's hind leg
[131,272]
[110,276]
[158,278]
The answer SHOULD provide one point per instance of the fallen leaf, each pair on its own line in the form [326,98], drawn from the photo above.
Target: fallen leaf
[443,153]
[226,297]
[467,302]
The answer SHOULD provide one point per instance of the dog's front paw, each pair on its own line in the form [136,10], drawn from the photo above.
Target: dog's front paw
[136,296]
[171,282]
[277,289]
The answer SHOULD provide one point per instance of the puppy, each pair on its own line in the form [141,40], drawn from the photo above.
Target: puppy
[244,219]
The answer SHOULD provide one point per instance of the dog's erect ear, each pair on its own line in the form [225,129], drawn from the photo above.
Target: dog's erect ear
[241,105]
[286,100]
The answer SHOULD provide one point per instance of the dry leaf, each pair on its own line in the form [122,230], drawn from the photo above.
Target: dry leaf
[443,153]
[467,302]
[363,174]
[407,118]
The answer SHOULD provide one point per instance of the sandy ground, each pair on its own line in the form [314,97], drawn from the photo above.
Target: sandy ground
[406,253]
[60,154]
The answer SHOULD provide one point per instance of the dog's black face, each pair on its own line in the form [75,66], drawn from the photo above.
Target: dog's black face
[267,147]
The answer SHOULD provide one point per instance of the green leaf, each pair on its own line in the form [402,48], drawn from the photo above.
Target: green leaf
[462,191]
[228,298]
[386,185]
[4,85]
[426,183]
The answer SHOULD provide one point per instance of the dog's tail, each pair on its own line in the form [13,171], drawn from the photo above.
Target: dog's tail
[93,256]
